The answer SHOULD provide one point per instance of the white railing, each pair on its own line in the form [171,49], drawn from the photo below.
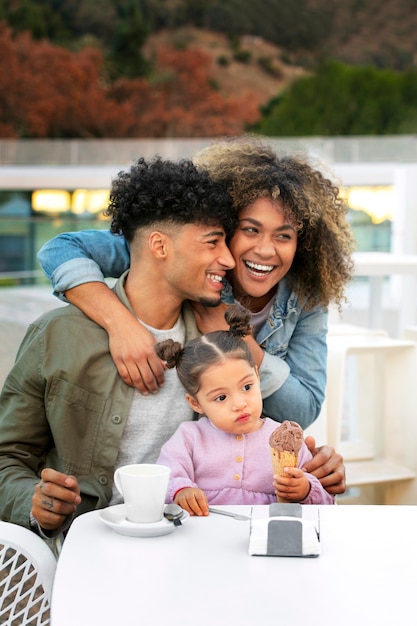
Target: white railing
[389,149]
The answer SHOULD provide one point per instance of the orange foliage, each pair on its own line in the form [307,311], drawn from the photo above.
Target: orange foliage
[189,105]
[181,102]
[48,91]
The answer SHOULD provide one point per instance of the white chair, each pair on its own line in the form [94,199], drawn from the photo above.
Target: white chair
[371,411]
[27,568]
[326,428]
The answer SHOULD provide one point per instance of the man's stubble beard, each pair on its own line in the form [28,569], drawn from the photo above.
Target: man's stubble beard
[209,302]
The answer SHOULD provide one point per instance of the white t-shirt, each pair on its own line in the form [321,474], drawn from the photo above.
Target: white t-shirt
[154,418]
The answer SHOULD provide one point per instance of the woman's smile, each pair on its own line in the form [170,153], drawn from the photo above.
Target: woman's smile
[258,269]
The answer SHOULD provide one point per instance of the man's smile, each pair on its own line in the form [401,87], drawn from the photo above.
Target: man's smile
[215,277]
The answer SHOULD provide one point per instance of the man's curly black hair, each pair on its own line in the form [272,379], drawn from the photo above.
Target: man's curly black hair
[165,191]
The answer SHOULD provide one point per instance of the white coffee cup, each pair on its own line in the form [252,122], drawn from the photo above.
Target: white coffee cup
[143,487]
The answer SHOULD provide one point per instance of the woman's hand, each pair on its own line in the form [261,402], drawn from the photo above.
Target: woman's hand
[132,348]
[131,345]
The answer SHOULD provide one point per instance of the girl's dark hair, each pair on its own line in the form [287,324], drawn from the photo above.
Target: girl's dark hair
[210,349]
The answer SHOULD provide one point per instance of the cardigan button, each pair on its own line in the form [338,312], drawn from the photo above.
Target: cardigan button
[239,459]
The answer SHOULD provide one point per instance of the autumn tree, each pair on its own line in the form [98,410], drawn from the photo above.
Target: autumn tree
[181,101]
[48,91]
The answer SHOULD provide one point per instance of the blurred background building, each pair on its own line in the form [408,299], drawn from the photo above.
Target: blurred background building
[53,186]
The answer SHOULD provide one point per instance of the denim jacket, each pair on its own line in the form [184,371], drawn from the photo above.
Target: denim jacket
[293,370]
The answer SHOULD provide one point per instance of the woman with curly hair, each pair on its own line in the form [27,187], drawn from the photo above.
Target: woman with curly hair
[292,249]
[307,200]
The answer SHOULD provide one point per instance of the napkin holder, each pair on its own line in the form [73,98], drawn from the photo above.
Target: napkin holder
[284,532]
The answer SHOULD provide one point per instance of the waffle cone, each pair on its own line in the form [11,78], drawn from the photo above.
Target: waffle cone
[281,460]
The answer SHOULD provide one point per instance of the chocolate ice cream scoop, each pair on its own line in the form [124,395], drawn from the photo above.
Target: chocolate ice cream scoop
[287,437]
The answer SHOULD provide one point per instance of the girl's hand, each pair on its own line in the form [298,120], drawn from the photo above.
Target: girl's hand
[192,500]
[294,487]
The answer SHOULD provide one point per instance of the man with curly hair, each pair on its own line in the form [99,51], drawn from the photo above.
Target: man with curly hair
[67,418]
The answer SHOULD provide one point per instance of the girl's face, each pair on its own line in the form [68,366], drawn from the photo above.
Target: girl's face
[230,396]
[263,247]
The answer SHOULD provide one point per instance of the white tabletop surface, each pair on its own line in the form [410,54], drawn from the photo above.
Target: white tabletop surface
[202,574]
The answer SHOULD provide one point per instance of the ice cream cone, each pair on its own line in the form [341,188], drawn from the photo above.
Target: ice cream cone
[285,443]
[281,459]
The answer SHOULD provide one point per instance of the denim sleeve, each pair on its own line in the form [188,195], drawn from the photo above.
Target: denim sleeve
[71,259]
[293,388]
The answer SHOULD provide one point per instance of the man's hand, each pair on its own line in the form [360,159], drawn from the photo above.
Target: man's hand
[55,497]
[326,465]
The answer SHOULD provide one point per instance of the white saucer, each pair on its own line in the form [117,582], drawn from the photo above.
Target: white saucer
[115,518]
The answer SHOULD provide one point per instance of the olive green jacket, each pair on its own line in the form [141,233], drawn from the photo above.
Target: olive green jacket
[64,406]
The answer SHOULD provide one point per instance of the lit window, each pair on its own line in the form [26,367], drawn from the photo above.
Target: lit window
[51,201]
[377,201]
[89,201]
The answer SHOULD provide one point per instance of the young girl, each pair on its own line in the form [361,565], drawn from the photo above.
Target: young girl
[224,458]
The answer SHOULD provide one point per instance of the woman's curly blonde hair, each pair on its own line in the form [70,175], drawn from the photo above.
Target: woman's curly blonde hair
[251,169]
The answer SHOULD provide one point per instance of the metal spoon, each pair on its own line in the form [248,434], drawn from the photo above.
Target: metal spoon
[237,516]
[173,513]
